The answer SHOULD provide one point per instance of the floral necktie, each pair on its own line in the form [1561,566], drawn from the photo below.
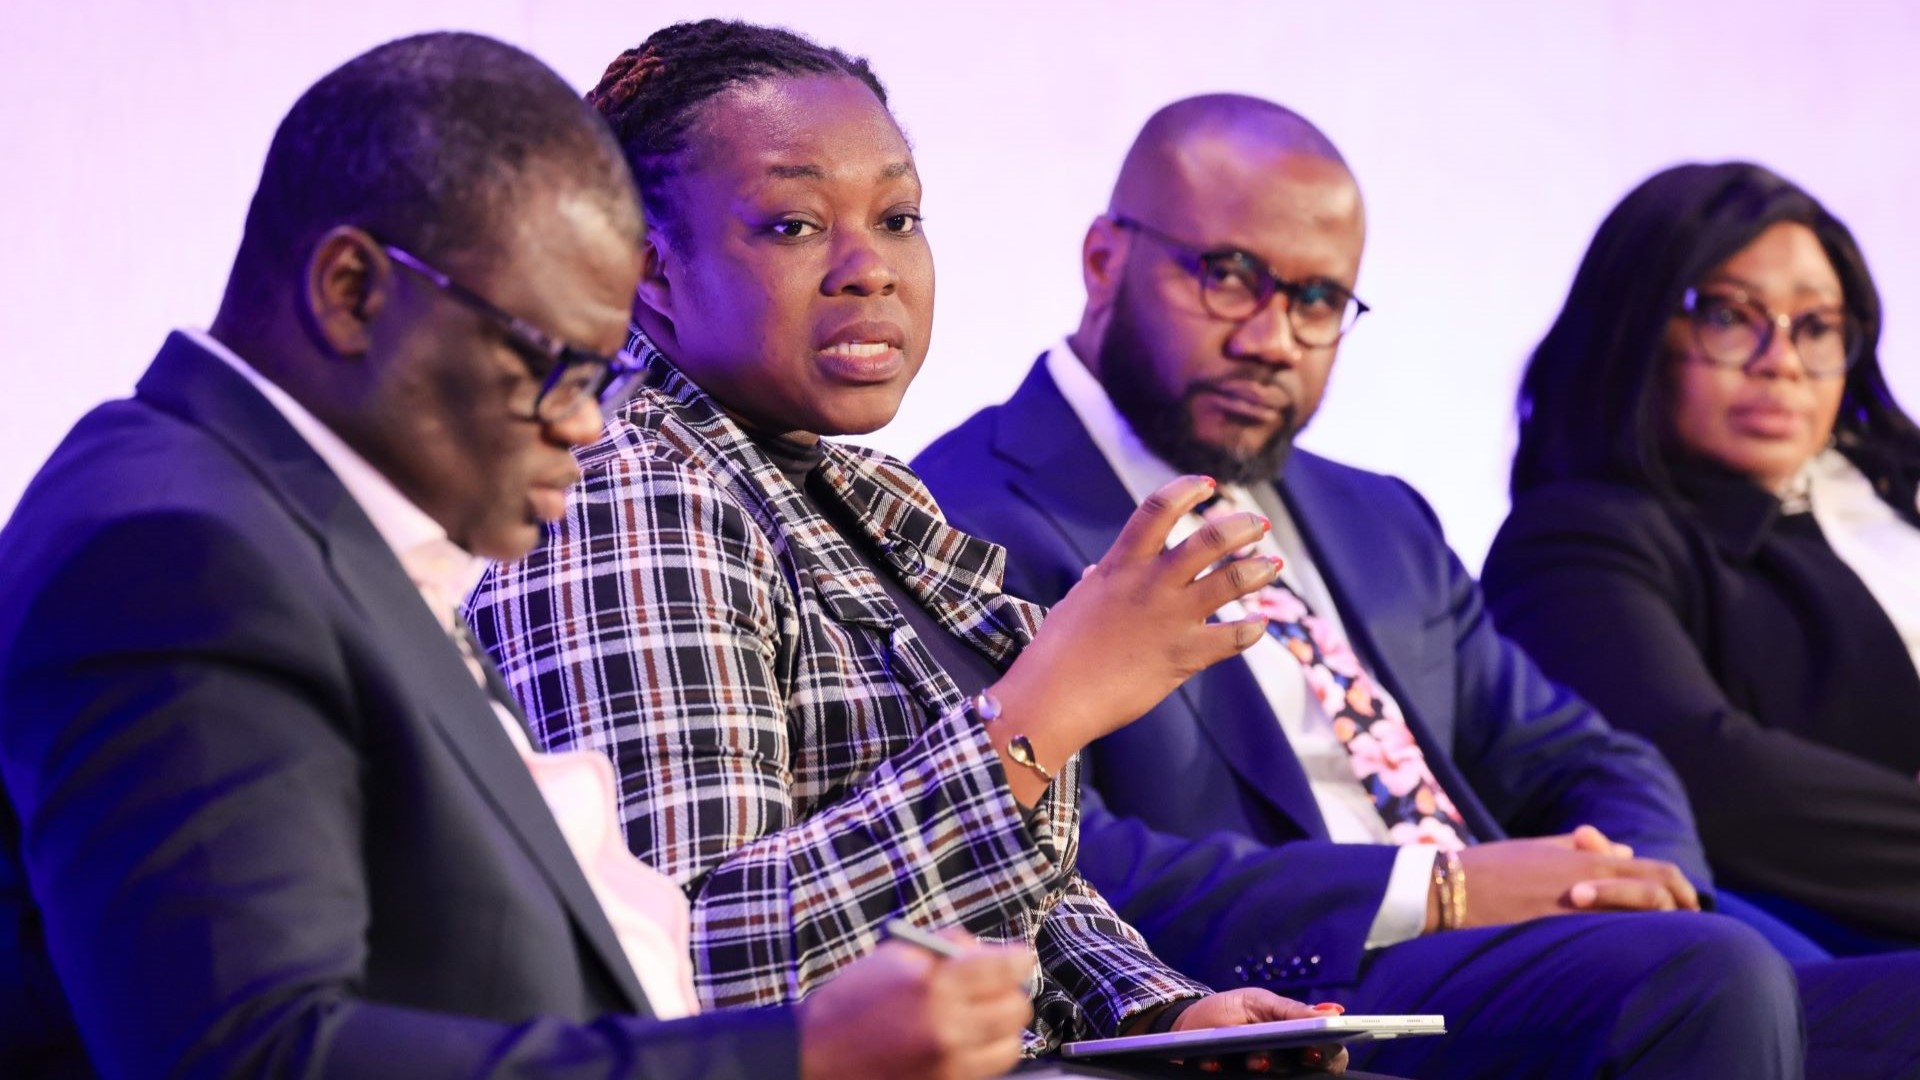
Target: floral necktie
[1386,760]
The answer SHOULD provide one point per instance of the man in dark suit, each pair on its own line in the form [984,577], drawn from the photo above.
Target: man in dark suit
[1384,801]
[266,813]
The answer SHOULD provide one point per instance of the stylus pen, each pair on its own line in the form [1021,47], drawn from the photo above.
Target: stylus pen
[902,930]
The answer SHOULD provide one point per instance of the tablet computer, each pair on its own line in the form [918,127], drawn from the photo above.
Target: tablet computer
[1274,1035]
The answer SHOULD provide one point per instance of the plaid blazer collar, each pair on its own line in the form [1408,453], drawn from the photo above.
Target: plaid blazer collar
[955,576]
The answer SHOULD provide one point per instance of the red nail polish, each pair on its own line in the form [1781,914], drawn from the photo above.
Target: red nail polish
[1210,482]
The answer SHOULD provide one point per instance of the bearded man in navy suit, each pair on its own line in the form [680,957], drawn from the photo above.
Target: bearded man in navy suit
[1385,801]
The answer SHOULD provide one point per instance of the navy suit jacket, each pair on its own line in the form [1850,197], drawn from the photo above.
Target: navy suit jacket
[1199,824]
[260,819]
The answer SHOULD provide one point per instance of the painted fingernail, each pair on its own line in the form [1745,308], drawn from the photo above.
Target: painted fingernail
[1210,482]
[1330,1007]
[1582,895]
[1279,563]
[1312,1055]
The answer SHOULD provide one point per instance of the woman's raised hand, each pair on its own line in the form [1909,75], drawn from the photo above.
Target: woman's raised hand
[1134,628]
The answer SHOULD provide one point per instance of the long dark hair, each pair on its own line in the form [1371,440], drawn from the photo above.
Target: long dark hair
[1590,402]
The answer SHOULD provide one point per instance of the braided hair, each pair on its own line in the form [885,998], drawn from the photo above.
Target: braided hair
[652,95]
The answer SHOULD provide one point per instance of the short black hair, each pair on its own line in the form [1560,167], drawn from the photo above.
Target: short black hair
[1590,402]
[652,94]
[426,143]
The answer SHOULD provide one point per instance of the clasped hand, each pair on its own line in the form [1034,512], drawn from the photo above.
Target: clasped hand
[1512,880]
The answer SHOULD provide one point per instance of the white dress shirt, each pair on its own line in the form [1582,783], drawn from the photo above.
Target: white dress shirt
[648,912]
[1348,812]
[1873,540]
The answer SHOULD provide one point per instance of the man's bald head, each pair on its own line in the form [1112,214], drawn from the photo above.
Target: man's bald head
[1169,157]
[1219,280]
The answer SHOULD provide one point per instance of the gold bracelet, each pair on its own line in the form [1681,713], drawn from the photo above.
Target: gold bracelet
[1019,748]
[1456,893]
[1450,888]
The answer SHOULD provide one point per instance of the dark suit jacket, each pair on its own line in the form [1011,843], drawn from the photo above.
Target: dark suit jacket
[1199,824]
[1739,643]
[271,824]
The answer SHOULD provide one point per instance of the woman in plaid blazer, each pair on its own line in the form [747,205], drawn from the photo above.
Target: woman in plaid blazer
[775,637]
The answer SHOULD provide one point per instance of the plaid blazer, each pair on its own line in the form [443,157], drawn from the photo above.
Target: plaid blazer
[788,750]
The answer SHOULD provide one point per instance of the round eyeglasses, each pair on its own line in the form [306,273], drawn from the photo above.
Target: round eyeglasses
[1732,331]
[1235,285]
[569,375]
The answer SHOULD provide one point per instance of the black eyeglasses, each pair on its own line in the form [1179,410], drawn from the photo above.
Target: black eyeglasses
[1733,330]
[569,375]
[1235,285]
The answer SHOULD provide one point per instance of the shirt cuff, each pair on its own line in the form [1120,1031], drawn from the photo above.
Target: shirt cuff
[1403,910]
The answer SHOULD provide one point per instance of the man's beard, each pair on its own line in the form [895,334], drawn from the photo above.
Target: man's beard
[1165,424]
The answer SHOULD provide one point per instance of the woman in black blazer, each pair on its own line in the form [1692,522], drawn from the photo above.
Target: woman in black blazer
[1715,538]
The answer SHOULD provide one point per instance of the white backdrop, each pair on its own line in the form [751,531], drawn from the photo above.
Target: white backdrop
[1490,137]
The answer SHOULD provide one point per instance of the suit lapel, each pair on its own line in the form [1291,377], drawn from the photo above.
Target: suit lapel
[946,569]
[956,577]
[1064,475]
[186,380]
[444,690]
[1069,482]
[1349,561]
